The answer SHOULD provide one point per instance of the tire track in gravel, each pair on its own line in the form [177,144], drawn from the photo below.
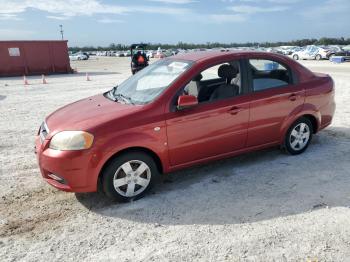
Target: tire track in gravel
[35,210]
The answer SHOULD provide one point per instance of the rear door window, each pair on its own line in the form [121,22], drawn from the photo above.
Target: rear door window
[266,74]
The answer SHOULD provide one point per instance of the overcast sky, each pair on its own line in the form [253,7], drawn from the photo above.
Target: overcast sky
[101,22]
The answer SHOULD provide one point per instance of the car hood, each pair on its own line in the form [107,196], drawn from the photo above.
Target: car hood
[88,113]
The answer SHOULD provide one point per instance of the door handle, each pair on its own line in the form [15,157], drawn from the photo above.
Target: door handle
[235,110]
[293,97]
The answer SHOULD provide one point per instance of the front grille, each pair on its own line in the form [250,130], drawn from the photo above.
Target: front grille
[44,131]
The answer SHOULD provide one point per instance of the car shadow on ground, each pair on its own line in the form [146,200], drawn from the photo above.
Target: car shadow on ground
[249,188]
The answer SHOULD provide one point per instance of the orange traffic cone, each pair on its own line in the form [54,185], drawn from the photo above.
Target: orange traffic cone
[43,79]
[25,80]
[87,77]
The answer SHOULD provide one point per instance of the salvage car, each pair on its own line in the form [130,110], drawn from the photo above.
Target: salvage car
[182,111]
[342,52]
[311,52]
[78,56]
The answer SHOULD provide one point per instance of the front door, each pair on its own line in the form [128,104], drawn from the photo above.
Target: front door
[207,130]
[213,127]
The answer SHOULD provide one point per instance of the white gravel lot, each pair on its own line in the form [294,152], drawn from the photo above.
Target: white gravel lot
[263,206]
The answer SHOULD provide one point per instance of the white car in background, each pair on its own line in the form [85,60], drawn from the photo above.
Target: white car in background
[287,50]
[150,54]
[127,53]
[78,56]
[311,52]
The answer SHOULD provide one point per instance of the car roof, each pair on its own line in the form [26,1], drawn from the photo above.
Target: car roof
[204,55]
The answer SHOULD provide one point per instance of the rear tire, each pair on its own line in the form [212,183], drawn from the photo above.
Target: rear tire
[129,176]
[299,136]
[295,57]
[318,57]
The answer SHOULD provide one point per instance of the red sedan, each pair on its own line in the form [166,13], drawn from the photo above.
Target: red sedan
[182,111]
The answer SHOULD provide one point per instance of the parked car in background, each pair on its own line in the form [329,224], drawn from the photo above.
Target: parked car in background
[287,50]
[343,53]
[181,111]
[86,54]
[119,54]
[150,54]
[311,52]
[127,53]
[296,49]
[168,53]
[78,56]
[110,53]
[174,51]
[346,48]
[101,53]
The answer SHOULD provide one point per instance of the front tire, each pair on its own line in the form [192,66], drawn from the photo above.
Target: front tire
[298,136]
[295,57]
[318,57]
[129,176]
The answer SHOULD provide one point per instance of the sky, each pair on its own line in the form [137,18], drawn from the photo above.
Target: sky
[102,22]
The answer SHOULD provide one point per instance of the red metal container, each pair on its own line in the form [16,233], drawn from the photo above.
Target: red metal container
[34,58]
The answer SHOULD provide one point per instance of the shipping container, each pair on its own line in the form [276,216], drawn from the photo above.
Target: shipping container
[19,58]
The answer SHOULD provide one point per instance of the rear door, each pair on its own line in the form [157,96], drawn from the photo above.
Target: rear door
[275,94]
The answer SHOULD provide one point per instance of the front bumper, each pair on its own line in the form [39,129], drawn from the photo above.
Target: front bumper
[74,167]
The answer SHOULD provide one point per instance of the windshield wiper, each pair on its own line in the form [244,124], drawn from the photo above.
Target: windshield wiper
[114,89]
[126,99]
[119,97]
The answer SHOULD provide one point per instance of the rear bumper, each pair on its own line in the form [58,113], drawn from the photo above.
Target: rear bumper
[73,167]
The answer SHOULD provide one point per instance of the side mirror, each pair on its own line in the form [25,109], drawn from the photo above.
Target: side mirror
[186,101]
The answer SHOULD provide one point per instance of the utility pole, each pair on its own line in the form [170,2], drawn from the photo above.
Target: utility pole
[61,31]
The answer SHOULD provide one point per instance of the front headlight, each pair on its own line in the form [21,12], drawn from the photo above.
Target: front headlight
[71,140]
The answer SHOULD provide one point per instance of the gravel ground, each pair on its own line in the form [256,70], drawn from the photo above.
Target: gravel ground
[263,206]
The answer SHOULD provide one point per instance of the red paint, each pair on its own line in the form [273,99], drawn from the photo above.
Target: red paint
[34,58]
[195,135]
[187,101]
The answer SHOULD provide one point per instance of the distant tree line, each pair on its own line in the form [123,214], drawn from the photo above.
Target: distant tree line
[182,45]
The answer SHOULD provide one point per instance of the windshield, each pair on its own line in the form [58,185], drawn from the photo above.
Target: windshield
[145,86]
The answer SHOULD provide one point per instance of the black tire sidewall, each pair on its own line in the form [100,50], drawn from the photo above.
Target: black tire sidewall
[287,145]
[111,168]
[295,57]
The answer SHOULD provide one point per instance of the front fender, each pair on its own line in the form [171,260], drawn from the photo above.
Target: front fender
[151,140]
